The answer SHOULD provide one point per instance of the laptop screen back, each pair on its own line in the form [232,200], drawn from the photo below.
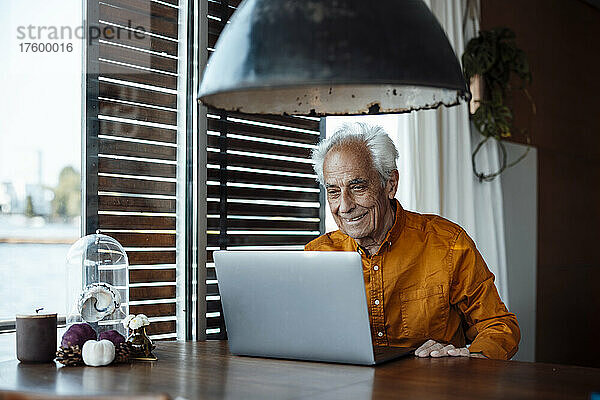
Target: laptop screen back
[298,305]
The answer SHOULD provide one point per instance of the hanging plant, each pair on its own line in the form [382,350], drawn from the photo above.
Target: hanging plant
[492,59]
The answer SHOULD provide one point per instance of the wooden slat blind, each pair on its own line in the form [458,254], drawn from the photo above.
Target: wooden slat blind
[132,81]
[261,188]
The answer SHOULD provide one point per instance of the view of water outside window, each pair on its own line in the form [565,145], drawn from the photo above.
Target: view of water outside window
[40,152]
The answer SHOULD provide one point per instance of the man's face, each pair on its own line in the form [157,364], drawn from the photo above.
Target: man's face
[356,197]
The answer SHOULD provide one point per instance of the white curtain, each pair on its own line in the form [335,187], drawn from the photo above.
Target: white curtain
[435,156]
[436,147]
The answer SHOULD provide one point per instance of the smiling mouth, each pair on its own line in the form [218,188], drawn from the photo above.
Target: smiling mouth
[355,218]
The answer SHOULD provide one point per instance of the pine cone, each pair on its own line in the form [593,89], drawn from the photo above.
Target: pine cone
[69,356]
[122,352]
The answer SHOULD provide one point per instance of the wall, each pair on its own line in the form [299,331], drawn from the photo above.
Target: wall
[519,192]
[561,40]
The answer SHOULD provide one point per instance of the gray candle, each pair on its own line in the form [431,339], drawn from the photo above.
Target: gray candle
[36,337]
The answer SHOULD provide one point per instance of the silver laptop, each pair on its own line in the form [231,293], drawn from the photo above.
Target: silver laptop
[305,305]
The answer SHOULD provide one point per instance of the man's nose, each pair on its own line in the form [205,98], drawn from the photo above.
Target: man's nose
[346,202]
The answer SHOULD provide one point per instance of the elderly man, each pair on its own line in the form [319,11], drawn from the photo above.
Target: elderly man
[427,285]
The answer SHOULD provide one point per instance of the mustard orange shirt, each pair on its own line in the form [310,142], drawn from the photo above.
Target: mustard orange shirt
[428,281]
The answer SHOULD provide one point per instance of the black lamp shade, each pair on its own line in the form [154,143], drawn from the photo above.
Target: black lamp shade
[332,57]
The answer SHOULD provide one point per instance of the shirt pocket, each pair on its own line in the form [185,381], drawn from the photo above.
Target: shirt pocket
[424,312]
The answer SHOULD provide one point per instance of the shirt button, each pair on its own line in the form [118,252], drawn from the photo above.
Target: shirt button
[380,334]
[376,267]
[376,302]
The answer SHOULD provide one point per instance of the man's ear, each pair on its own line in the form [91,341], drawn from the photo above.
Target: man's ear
[391,187]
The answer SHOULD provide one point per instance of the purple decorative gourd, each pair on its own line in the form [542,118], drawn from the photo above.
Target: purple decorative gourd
[113,336]
[77,335]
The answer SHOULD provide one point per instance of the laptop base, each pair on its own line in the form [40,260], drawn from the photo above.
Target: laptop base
[388,353]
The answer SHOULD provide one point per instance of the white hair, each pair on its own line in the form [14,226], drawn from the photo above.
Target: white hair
[380,145]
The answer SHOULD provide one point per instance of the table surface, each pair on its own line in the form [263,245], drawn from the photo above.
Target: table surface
[206,370]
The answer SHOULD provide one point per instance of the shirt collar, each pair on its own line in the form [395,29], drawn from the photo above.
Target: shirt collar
[394,232]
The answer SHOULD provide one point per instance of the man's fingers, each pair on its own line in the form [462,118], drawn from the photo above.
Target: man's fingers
[443,352]
[425,345]
[431,348]
[427,351]
[462,352]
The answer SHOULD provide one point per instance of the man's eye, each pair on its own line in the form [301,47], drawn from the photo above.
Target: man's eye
[333,193]
[359,187]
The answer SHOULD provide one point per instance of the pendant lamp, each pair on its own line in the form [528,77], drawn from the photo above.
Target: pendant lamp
[332,57]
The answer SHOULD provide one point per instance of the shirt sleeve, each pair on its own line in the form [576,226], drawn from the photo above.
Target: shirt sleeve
[493,330]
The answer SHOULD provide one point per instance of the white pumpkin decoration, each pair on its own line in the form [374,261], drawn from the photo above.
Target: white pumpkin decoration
[98,353]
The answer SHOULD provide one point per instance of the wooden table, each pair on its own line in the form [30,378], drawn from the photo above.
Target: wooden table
[206,370]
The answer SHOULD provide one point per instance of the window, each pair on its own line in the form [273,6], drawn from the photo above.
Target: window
[135,81]
[261,189]
[40,157]
[133,150]
[40,153]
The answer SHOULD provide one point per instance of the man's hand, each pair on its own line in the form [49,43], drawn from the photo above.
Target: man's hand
[431,348]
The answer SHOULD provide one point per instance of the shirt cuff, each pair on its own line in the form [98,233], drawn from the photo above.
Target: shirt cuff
[488,348]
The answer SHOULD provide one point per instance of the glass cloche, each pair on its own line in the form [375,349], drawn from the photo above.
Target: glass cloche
[97,282]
